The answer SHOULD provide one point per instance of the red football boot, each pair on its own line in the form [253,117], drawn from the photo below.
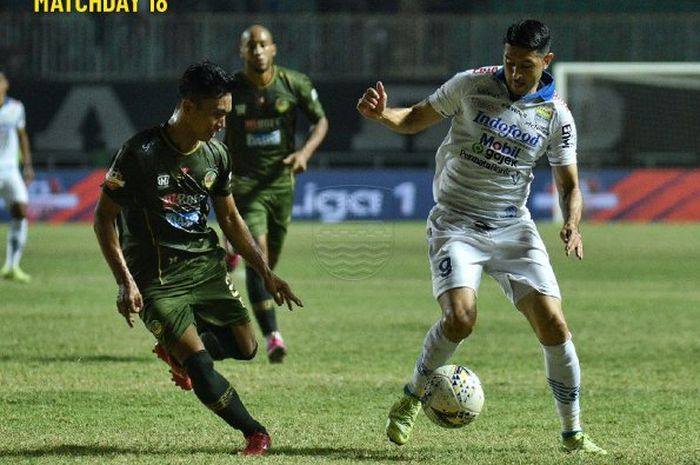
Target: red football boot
[257,444]
[178,373]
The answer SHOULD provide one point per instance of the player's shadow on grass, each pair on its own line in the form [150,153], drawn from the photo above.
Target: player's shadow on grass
[351,453]
[75,450]
[73,358]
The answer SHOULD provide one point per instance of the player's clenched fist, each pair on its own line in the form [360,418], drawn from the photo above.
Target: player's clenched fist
[373,102]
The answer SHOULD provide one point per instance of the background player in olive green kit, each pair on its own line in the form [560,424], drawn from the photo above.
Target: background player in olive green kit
[260,135]
[151,224]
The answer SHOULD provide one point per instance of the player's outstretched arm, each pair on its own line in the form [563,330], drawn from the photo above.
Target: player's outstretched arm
[299,159]
[129,300]
[405,120]
[571,203]
[236,231]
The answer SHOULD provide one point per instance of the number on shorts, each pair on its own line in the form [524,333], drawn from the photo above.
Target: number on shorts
[445,267]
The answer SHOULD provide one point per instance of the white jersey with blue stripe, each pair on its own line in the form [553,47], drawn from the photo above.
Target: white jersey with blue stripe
[484,165]
[11,119]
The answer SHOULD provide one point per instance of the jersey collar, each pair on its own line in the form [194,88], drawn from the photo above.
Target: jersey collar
[544,93]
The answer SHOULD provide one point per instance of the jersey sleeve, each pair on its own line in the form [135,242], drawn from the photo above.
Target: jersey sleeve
[222,186]
[561,149]
[21,118]
[309,103]
[121,177]
[447,99]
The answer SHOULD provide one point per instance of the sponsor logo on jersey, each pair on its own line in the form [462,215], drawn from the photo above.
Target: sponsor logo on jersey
[182,220]
[464,155]
[486,70]
[181,200]
[252,125]
[504,129]
[209,179]
[282,105]
[114,179]
[163,181]
[493,149]
[264,139]
[566,134]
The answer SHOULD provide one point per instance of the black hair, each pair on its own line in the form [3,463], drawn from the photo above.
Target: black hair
[204,80]
[531,34]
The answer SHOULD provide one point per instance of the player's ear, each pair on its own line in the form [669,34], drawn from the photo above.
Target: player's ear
[188,106]
[274,49]
[548,58]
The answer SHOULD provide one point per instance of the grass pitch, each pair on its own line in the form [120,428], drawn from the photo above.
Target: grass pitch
[77,386]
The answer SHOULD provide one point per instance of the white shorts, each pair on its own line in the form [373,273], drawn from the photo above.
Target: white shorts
[12,188]
[460,248]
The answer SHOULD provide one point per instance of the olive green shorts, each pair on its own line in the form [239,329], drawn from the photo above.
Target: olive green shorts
[267,212]
[168,313]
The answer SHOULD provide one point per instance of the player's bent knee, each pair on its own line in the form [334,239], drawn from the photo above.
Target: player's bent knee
[199,365]
[247,355]
[458,324]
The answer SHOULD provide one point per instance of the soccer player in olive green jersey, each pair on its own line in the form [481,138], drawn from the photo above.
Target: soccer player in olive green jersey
[260,136]
[151,224]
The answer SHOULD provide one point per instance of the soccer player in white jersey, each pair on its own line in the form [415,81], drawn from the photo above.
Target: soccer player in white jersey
[503,119]
[13,185]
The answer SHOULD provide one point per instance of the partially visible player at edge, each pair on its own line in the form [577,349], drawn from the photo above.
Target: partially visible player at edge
[13,182]
[504,118]
[151,224]
[260,135]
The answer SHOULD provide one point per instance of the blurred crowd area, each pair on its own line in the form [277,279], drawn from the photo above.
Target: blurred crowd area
[407,6]
[90,80]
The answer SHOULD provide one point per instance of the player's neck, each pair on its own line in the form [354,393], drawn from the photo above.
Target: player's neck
[179,136]
[3,97]
[260,79]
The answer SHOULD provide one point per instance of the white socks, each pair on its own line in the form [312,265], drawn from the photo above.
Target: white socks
[564,377]
[16,238]
[437,350]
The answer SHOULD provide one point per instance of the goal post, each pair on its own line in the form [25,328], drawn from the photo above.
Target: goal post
[632,114]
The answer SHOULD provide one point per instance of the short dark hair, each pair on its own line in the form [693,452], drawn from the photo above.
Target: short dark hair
[204,80]
[529,33]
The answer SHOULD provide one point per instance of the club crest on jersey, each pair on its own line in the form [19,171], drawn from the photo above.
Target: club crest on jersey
[209,179]
[114,179]
[163,181]
[282,105]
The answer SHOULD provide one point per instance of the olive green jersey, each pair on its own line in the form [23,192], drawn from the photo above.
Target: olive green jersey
[165,198]
[260,129]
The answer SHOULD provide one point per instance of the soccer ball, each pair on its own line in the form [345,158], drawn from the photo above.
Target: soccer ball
[453,396]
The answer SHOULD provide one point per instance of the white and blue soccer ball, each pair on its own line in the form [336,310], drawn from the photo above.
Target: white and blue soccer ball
[453,396]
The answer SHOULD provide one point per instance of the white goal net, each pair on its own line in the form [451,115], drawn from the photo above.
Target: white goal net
[634,114]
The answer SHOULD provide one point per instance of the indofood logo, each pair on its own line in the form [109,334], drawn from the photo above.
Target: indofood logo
[504,129]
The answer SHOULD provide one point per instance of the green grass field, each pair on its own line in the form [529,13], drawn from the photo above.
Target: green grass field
[77,386]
